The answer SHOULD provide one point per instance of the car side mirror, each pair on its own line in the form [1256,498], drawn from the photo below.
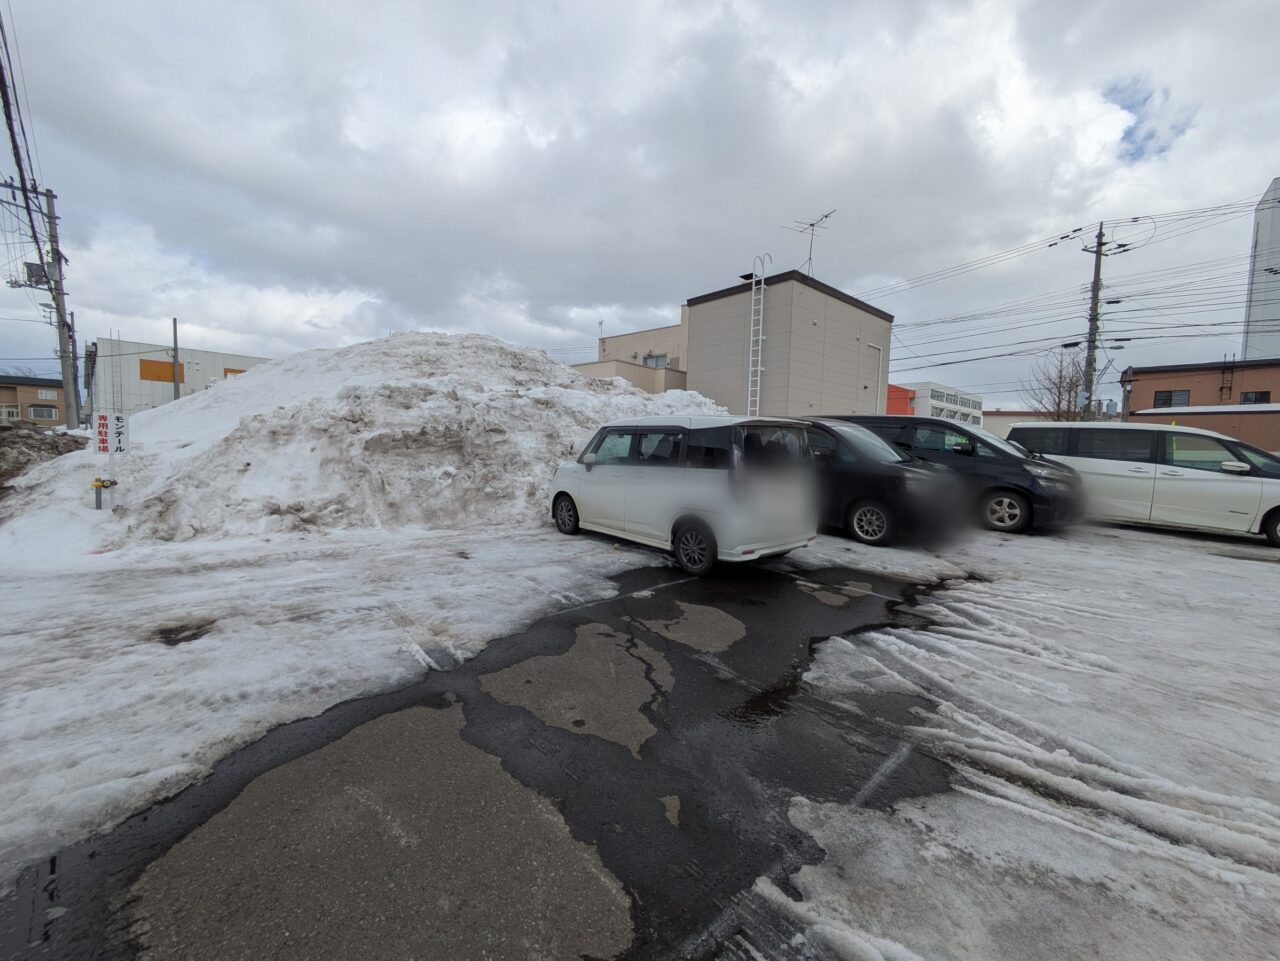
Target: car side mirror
[904,444]
[1235,467]
[588,460]
[964,449]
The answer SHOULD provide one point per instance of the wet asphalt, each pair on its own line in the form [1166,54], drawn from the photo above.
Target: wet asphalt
[609,782]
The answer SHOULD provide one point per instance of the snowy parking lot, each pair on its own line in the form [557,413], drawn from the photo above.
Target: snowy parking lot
[1103,698]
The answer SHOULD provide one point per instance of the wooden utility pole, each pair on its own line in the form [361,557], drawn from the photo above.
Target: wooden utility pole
[66,332]
[1095,325]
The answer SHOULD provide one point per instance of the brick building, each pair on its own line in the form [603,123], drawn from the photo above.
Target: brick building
[1238,398]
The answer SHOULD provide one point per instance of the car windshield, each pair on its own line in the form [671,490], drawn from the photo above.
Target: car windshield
[999,443]
[866,444]
[1262,462]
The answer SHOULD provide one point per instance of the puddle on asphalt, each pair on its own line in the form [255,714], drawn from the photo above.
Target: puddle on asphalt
[706,628]
[599,687]
[636,759]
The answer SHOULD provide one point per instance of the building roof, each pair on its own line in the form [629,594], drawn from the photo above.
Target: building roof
[1211,409]
[16,381]
[1118,425]
[799,278]
[1215,365]
[699,420]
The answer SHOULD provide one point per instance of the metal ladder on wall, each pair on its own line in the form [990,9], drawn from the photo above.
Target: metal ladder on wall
[755,336]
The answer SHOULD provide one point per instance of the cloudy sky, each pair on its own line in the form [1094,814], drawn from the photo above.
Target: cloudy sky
[283,175]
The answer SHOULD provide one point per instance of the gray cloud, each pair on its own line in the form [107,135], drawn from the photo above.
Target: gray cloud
[294,175]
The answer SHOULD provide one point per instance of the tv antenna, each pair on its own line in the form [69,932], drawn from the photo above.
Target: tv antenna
[810,227]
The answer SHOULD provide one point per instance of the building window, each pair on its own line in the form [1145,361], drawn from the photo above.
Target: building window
[1255,397]
[44,393]
[42,413]
[655,360]
[10,412]
[1172,398]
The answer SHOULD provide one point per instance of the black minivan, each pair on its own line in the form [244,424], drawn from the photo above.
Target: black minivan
[875,492]
[1012,491]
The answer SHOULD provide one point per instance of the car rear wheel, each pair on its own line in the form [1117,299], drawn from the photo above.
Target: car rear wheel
[871,523]
[565,512]
[695,548]
[1006,511]
[1271,527]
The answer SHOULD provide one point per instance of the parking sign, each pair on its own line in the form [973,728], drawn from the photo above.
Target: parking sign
[112,433]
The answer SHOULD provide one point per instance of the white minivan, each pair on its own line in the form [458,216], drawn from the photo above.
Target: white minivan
[706,488]
[1165,475]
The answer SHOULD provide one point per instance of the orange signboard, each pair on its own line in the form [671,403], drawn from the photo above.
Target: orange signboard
[161,370]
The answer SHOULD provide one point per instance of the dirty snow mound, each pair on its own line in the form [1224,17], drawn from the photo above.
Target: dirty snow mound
[422,429]
[22,447]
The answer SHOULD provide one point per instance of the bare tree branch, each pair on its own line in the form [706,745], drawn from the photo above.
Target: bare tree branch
[1055,385]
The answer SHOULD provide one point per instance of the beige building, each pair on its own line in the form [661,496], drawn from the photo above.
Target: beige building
[31,400]
[824,351]
[652,359]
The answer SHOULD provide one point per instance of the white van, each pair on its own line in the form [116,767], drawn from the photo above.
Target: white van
[1165,475]
[706,488]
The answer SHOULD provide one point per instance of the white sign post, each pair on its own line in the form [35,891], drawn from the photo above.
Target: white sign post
[112,431]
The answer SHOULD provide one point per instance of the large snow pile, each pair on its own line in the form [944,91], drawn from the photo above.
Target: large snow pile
[415,429]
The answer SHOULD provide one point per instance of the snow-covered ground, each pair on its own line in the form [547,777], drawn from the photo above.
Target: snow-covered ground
[1109,697]
[317,528]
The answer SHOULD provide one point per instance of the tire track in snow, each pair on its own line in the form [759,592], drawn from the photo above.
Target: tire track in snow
[1013,760]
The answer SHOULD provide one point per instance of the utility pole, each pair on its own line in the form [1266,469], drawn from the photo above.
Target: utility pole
[1095,324]
[66,333]
[176,366]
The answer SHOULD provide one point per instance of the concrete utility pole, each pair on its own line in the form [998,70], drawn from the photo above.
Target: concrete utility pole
[66,333]
[1095,324]
[176,367]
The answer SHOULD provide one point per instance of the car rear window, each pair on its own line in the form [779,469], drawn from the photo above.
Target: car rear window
[773,445]
[710,448]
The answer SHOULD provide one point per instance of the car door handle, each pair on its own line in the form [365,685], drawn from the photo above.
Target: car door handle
[1172,473]
[1139,470]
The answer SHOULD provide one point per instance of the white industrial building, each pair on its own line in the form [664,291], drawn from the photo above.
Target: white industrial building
[125,376]
[930,399]
[785,345]
[1262,311]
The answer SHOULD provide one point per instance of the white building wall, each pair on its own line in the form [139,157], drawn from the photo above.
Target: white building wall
[839,357]
[1262,312]
[120,383]
[718,333]
[938,400]
[821,355]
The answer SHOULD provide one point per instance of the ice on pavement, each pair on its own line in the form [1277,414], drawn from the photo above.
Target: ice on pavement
[1108,698]
[341,520]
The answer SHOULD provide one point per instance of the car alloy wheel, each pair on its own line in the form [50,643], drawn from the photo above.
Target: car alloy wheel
[870,523]
[1004,512]
[695,549]
[566,515]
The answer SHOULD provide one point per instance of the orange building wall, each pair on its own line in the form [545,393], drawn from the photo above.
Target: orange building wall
[899,400]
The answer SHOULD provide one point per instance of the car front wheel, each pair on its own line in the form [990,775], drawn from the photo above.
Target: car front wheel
[1006,511]
[871,523]
[695,548]
[565,512]
[1271,527]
